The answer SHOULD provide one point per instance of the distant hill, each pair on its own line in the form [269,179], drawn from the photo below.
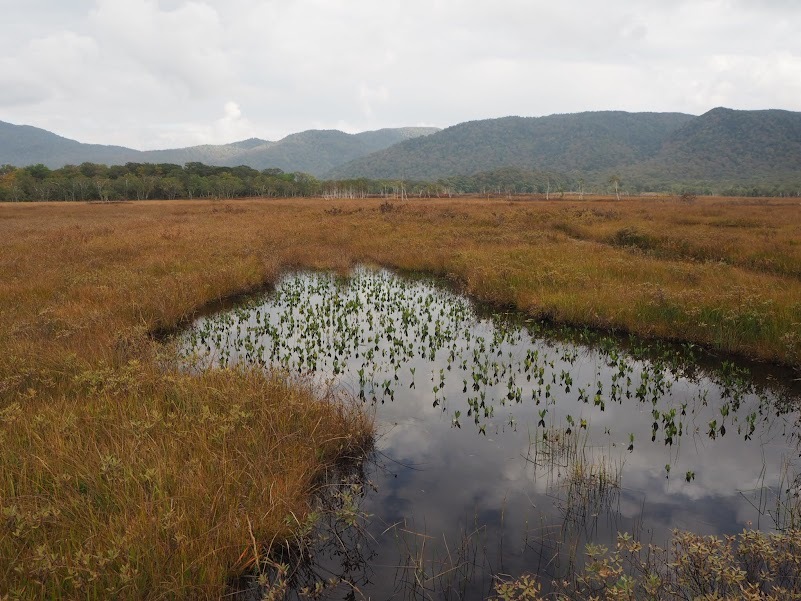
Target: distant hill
[577,142]
[318,151]
[723,150]
[314,151]
[22,145]
[727,145]
[222,155]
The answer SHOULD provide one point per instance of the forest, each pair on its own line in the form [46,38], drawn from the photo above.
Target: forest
[167,181]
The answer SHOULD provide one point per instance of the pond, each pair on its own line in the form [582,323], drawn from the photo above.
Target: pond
[505,445]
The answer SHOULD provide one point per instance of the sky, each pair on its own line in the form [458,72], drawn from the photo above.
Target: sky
[153,74]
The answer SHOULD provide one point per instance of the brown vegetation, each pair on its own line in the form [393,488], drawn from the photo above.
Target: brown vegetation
[121,476]
[750,566]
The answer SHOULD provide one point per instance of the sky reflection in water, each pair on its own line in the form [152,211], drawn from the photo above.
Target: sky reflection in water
[504,448]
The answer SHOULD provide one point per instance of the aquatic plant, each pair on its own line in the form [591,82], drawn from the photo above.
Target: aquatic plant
[373,331]
[744,567]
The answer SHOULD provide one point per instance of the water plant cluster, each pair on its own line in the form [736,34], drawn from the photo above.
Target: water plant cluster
[411,341]
[376,333]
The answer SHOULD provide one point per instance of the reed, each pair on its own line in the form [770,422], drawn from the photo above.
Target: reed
[123,476]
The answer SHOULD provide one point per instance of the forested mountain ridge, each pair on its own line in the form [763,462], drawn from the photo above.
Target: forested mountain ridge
[209,154]
[318,151]
[723,151]
[724,143]
[572,142]
[313,151]
[22,145]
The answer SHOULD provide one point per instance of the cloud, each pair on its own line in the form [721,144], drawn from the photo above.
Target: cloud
[232,113]
[183,45]
[369,96]
[230,127]
[150,73]
[233,125]
[60,59]
[768,81]
[18,88]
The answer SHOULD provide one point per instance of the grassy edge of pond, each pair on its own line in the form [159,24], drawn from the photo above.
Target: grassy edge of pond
[122,477]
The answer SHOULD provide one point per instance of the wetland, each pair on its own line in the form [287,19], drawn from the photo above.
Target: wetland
[505,445]
[130,472]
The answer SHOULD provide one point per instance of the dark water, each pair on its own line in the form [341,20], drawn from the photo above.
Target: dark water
[504,446]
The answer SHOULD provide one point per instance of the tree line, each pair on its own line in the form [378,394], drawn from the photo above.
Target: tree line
[145,181]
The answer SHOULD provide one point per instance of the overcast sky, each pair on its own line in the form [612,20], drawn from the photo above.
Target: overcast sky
[167,73]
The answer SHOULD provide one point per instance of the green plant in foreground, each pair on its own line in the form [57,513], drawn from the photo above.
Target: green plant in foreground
[750,566]
[525,588]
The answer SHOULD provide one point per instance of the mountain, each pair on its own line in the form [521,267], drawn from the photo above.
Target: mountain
[724,144]
[209,154]
[723,150]
[22,145]
[576,142]
[318,151]
[314,151]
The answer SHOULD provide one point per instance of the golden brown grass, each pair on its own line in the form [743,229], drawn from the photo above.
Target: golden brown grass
[122,477]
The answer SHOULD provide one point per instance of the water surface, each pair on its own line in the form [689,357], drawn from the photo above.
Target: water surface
[505,445]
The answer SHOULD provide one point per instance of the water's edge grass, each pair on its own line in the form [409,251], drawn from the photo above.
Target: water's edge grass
[123,477]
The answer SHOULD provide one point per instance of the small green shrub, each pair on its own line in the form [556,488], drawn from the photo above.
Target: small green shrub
[750,566]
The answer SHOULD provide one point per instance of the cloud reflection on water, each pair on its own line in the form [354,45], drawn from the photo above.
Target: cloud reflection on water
[497,480]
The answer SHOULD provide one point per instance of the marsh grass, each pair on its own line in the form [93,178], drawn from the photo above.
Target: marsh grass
[592,486]
[584,480]
[780,505]
[123,476]
[161,486]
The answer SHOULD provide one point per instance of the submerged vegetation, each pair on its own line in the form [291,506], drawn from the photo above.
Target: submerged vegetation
[123,475]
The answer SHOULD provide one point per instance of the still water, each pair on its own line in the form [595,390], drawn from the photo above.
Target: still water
[504,445]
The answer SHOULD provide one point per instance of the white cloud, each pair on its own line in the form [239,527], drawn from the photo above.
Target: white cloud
[232,112]
[232,125]
[155,73]
[369,96]
[182,45]
[19,88]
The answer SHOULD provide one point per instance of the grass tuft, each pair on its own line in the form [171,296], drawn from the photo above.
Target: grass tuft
[123,477]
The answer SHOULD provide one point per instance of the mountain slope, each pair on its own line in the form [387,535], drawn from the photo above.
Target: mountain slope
[721,150]
[384,138]
[318,151]
[724,144]
[576,142]
[22,145]
[313,151]
[209,154]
